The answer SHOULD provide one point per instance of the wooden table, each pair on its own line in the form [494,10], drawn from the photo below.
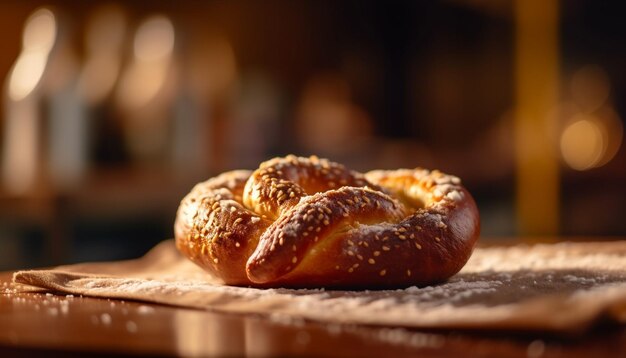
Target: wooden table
[51,325]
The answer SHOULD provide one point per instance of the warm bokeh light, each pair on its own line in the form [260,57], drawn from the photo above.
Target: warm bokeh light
[613,130]
[104,40]
[582,144]
[328,121]
[146,75]
[154,39]
[593,134]
[19,167]
[26,74]
[537,68]
[40,31]
[211,69]
[39,37]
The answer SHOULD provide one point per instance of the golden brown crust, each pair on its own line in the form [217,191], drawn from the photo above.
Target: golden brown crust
[308,222]
[215,230]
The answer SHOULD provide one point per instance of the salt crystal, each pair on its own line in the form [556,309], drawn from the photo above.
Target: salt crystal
[454,195]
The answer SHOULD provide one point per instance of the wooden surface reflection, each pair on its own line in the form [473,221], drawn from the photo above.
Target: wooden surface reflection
[40,323]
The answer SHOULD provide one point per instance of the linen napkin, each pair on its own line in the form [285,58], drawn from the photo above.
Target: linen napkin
[560,288]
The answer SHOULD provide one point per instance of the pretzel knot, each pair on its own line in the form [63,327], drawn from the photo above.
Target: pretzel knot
[309,222]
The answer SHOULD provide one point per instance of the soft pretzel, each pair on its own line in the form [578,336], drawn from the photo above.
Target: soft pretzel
[309,222]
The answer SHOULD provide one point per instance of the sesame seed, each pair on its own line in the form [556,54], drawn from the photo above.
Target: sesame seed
[326,222]
[237,244]
[294,260]
[350,270]
[418,246]
[317,229]
[216,260]
[350,253]
[237,221]
[366,244]
[437,238]
[383,272]
[408,272]
[320,216]
[293,247]
[337,267]
[385,238]
[350,202]
[402,237]
[305,234]
[310,228]
[355,265]
[402,229]
[376,253]
[359,257]
[371,261]
[351,242]
[386,248]
[281,241]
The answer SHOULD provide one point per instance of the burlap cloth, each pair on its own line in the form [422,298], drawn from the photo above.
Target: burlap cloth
[564,287]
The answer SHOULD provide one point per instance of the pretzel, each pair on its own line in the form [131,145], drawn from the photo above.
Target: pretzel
[309,222]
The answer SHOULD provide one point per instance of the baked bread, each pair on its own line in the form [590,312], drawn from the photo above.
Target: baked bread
[310,222]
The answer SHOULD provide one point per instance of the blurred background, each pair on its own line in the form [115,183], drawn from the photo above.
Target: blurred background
[110,111]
